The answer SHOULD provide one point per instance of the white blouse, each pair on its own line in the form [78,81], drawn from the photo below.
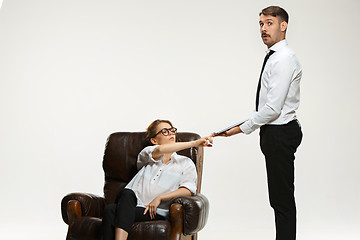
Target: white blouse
[156,177]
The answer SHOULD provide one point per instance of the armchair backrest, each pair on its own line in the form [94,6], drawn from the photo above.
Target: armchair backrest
[121,151]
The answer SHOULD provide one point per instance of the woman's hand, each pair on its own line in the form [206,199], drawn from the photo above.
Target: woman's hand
[152,206]
[204,142]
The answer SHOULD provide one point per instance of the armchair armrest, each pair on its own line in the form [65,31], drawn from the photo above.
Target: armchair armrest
[195,212]
[82,204]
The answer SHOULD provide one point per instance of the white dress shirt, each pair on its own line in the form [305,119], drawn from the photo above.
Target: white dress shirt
[280,89]
[156,177]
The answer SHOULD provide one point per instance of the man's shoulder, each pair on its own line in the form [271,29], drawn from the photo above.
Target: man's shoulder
[287,54]
[286,51]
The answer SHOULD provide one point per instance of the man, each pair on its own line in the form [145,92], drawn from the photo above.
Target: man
[278,97]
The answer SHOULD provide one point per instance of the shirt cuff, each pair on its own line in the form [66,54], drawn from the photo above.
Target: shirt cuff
[190,186]
[245,128]
[152,148]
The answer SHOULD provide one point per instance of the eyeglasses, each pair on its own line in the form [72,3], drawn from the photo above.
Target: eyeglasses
[166,131]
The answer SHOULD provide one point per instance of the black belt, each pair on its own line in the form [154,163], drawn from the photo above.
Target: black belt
[292,122]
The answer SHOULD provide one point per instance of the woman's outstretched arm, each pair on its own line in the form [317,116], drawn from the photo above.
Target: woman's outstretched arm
[174,147]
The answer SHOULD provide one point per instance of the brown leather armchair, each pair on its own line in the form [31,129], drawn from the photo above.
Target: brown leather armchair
[83,212]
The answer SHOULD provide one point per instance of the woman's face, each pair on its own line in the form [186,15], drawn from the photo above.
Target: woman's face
[161,138]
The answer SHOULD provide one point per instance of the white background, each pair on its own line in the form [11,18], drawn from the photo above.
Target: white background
[74,71]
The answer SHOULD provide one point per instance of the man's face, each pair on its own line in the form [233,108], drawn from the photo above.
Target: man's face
[272,31]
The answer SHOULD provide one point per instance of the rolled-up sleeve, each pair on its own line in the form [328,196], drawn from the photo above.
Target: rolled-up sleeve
[189,176]
[145,157]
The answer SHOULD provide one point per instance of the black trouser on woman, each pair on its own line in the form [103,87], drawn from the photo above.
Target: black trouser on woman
[123,213]
[279,143]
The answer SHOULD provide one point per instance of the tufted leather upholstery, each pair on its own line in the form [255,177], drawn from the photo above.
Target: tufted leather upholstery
[83,211]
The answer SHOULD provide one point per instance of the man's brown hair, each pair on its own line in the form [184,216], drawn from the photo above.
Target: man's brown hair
[276,11]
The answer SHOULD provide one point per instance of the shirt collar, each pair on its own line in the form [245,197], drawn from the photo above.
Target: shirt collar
[174,157]
[277,46]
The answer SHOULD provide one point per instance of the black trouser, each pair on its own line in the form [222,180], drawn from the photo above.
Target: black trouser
[279,143]
[123,213]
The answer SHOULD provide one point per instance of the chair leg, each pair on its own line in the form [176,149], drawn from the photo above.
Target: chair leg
[177,221]
[73,211]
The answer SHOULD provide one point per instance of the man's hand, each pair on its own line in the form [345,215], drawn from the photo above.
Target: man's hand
[232,131]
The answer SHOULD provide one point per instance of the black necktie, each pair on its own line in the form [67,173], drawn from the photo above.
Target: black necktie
[259,84]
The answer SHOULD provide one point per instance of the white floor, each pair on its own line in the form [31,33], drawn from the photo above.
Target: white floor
[56,230]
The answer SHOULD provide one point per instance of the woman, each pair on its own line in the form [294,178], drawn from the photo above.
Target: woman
[163,175]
